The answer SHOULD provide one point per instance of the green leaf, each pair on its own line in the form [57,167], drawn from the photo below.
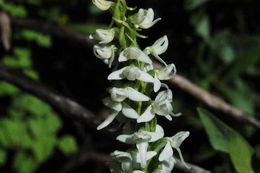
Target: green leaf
[7,89]
[225,139]
[14,10]
[24,163]
[40,39]
[241,154]
[67,144]
[43,147]
[216,130]
[2,156]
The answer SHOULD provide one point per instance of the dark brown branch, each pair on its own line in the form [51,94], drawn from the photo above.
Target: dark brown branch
[58,102]
[103,158]
[209,99]
[213,101]
[52,29]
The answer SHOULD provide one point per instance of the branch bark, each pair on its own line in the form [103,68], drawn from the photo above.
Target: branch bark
[66,106]
[206,97]
[213,101]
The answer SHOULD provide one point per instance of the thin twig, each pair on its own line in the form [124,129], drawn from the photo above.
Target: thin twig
[208,98]
[58,102]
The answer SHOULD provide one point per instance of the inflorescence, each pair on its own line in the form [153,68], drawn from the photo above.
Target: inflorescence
[135,83]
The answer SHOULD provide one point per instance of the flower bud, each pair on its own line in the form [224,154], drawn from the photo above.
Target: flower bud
[102,4]
[144,18]
[105,52]
[103,35]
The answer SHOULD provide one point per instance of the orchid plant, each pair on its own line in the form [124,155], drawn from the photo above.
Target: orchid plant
[135,82]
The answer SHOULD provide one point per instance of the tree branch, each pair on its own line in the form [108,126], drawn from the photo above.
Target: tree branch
[213,101]
[61,103]
[65,105]
[103,158]
[208,98]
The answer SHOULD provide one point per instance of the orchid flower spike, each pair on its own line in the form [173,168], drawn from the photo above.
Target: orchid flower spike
[102,4]
[144,19]
[103,35]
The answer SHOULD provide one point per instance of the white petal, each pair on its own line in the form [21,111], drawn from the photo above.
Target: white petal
[102,4]
[150,154]
[182,160]
[122,57]
[158,134]
[166,153]
[128,139]
[109,119]
[160,59]
[167,73]
[177,139]
[116,75]
[142,150]
[112,105]
[147,116]
[160,46]
[121,155]
[118,94]
[137,171]
[168,117]
[136,95]
[156,84]
[145,77]
[144,58]
[129,112]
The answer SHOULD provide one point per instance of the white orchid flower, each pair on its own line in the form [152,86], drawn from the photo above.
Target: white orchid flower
[116,107]
[102,4]
[105,53]
[131,73]
[125,159]
[159,47]
[166,73]
[144,18]
[141,139]
[162,106]
[120,94]
[166,166]
[173,142]
[134,53]
[103,35]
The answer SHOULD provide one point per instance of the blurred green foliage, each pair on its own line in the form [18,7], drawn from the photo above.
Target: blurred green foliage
[29,127]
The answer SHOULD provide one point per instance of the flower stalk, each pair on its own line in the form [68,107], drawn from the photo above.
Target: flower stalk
[137,95]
